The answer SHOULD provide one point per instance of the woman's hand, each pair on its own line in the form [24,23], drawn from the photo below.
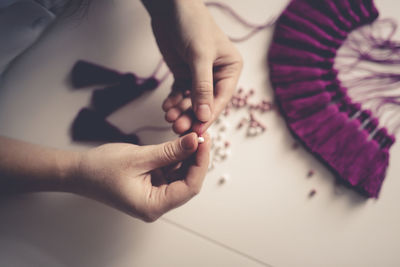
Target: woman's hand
[143,181]
[201,58]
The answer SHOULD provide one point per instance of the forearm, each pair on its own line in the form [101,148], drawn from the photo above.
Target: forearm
[26,167]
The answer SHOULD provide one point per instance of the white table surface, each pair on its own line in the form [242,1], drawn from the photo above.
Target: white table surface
[261,217]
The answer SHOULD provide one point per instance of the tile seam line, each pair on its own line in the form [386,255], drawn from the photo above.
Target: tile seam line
[215,242]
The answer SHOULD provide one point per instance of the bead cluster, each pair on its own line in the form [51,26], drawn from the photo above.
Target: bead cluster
[241,101]
[220,149]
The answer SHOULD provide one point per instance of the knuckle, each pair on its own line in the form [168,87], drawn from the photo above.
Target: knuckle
[199,52]
[169,152]
[204,88]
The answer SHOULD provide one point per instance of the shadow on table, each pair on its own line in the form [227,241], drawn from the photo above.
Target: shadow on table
[51,229]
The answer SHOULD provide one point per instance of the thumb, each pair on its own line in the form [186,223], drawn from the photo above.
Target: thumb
[156,156]
[202,89]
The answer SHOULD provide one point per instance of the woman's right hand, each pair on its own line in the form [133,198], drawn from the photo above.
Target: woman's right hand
[143,181]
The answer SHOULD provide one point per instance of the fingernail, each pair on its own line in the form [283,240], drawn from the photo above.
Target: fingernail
[203,112]
[187,142]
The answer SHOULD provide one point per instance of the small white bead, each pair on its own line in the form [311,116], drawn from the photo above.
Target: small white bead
[200,139]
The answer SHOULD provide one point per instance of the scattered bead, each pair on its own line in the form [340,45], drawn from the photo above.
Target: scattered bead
[310,173]
[253,126]
[241,100]
[312,193]
[223,179]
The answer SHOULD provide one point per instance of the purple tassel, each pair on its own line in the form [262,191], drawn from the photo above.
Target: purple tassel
[303,9]
[310,124]
[353,172]
[88,74]
[89,126]
[106,101]
[329,7]
[299,108]
[371,125]
[352,141]
[337,148]
[380,135]
[294,21]
[303,89]
[346,105]
[388,141]
[345,9]
[290,74]
[368,169]
[289,37]
[373,11]
[364,115]
[292,56]
[352,109]
[359,8]
[331,127]
[374,173]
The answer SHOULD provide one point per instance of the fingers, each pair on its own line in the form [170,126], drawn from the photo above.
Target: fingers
[175,112]
[173,99]
[183,124]
[225,78]
[179,192]
[161,155]
[202,88]
[181,115]
[224,91]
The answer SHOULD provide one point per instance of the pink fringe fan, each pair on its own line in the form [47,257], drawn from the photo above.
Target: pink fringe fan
[318,109]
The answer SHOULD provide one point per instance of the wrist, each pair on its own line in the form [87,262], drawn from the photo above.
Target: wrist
[68,170]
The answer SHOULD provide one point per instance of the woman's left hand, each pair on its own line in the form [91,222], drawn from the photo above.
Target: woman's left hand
[204,62]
